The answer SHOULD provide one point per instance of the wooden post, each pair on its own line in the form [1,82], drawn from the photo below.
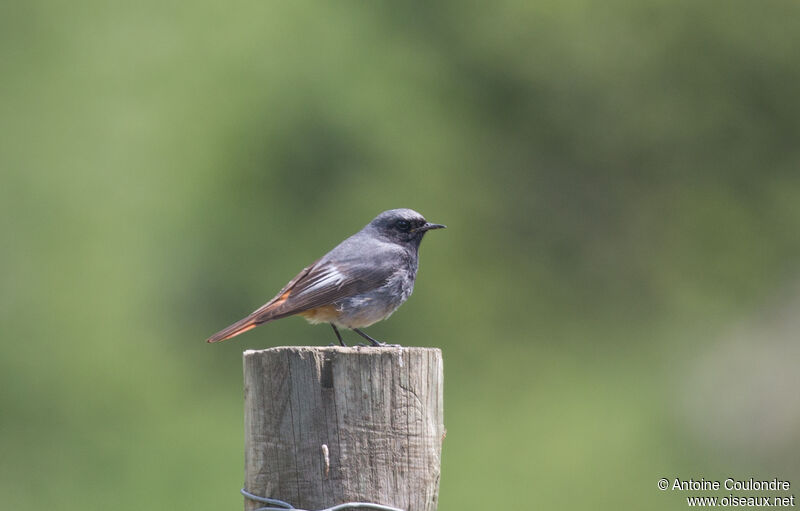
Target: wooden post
[329,425]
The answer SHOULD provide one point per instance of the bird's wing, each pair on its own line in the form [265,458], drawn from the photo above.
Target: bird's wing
[318,285]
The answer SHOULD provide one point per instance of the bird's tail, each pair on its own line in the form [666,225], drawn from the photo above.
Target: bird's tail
[269,311]
[240,327]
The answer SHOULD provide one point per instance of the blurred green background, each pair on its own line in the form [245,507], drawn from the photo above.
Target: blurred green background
[616,296]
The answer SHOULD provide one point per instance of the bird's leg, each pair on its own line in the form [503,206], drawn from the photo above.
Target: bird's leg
[374,342]
[338,335]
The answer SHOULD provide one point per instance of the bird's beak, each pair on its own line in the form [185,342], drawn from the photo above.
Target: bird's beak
[428,226]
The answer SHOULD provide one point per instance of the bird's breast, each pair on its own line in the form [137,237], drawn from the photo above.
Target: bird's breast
[364,309]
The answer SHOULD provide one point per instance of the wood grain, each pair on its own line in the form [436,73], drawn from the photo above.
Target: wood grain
[328,425]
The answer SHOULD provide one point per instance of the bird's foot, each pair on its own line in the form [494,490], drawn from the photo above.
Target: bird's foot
[338,335]
[375,342]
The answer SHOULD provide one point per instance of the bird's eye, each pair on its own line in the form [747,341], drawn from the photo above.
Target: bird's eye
[403,225]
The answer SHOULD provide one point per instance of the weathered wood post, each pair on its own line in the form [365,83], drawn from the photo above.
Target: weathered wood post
[329,425]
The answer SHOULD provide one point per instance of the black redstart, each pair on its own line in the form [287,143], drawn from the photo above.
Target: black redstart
[361,281]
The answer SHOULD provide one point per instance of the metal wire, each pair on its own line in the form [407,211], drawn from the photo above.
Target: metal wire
[279,505]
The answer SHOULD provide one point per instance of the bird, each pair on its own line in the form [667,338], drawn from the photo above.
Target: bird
[361,281]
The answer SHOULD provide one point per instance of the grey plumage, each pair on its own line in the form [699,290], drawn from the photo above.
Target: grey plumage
[362,280]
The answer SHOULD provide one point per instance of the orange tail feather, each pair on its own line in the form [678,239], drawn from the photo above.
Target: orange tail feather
[235,329]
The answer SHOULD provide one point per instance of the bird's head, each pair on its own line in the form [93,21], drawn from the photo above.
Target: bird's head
[402,226]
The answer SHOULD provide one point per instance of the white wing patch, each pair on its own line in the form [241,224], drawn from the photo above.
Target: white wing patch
[328,277]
